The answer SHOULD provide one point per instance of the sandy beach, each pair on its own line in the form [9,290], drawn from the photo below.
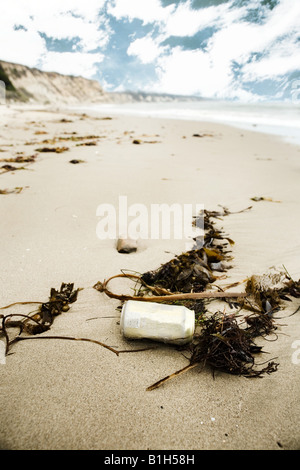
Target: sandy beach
[59,395]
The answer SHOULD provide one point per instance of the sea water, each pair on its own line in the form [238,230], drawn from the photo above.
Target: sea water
[277,118]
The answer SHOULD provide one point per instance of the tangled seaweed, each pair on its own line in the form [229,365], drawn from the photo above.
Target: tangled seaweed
[224,346]
[42,320]
[194,270]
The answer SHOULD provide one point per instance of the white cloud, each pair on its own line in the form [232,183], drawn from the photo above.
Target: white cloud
[71,63]
[21,47]
[209,72]
[146,49]
[148,11]
[272,67]
[192,72]
[68,19]
[185,21]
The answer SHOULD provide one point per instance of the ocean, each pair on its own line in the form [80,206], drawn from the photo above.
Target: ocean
[278,118]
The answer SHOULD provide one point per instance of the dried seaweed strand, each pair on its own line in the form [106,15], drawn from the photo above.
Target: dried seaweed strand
[102,287]
[21,338]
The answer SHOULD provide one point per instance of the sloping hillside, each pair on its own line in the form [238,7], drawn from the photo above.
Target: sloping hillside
[27,84]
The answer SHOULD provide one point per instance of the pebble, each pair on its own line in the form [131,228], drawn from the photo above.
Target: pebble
[126,245]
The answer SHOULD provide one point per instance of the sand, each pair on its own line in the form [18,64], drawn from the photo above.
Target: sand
[58,395]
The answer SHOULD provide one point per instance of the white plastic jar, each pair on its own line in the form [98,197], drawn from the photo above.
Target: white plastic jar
[173,324]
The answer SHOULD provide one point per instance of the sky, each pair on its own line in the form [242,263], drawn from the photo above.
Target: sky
[244,50]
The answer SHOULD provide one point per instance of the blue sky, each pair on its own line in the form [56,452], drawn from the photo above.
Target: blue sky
[224,49]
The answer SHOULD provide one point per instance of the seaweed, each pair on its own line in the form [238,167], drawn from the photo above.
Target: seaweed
[262,198]
[19,159]
[42,319]
[31,326]
[194,270]
[16,190]
[7,168]
[75,161]
[52,149]
[224,346]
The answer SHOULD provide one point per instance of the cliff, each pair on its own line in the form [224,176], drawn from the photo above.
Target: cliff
[30,85]
[27,84]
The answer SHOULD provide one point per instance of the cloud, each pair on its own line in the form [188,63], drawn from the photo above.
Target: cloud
[21,47]
[214,51]
[186,21]
[146,49]
[272,67]
[56,20]
[69,63]
[149,11]
[237,52]
[192,72]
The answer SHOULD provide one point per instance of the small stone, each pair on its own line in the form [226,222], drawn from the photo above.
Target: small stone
[126,245]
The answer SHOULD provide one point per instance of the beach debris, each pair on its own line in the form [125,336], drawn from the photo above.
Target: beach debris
[202,135]
[261,198]
[86,144]
[16,190]
[19,159]
[72,138]
[53,149]
[64,120]
[59,301]
[266,293]
[227,342]
[160,294]
[126,245]
[224,342]
[139,141]
[7,168]
[173,324]
[75,161]
[224,346]
[32,325]
[193,270]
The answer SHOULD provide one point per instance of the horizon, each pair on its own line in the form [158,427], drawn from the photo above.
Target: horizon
[237,50]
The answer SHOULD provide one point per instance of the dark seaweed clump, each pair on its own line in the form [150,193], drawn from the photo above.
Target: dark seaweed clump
[42,320]
[225,346]
[193,270]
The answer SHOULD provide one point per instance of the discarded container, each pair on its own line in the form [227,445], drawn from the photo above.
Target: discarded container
[173,324]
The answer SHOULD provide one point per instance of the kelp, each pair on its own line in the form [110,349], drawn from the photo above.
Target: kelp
[71,138]
[6,168]
[19,159]
[194,270]
[16,190]
[226,343]
[52,149]
[224,346]
[59,301]
[262,198]
[75,161]
[31,326]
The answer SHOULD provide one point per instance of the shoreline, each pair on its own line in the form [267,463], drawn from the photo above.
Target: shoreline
[71,395]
